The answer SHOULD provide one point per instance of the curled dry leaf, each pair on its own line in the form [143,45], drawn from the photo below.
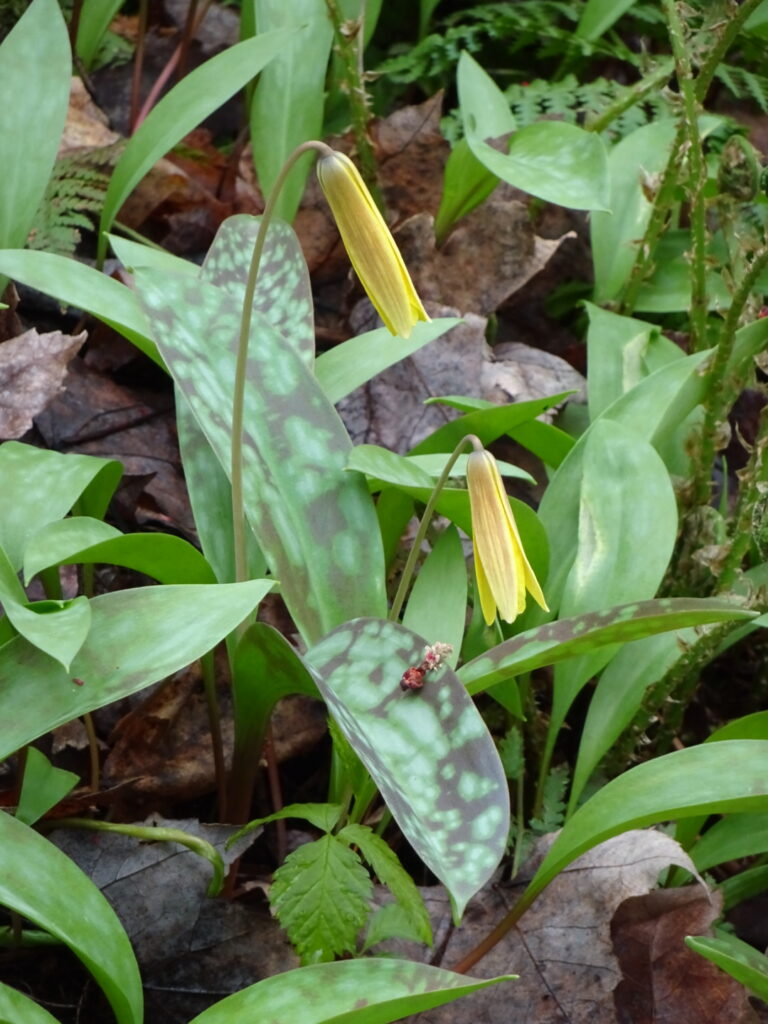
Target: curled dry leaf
[32,368]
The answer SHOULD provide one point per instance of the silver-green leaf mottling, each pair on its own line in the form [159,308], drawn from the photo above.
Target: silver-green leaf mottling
[314,521]
[428,751]
[283,291]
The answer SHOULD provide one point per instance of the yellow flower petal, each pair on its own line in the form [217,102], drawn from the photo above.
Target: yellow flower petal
[503,571]
[370,245]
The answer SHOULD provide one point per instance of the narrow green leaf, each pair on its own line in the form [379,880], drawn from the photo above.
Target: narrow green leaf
[716,778]
[321,895]
[347,366]
[35,69]
[41,486]
[15,1006]
[732,838]
[743,962]
[548,644]
[42,884]
[188,104]
[95,18]
[391,873]
[598,16]
[466,184]
[79,540]
[288,101]
[42,788]
[373,991]
[437,604]
[79,285]
[428,751]
[314,521]
[616,234]
[322,816]
[553,160]
[137,637]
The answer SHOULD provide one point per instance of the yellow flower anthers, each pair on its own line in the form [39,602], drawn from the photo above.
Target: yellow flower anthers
[371,248]
[503,572]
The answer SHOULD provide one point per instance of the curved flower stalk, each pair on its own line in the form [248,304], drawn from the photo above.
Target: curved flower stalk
[502,569]
[369,244]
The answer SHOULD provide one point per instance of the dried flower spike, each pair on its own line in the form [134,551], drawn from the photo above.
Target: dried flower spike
[369,244]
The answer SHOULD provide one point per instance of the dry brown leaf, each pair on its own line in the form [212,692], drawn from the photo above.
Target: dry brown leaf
[562,948]
[86,127]
[663,981]
[32,368]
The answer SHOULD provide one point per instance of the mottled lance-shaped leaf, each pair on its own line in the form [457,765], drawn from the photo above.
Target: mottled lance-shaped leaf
[41,486]
[45,886]
[356,991]
[283,291]
[548,644]
[136,638]
[314,521]
[428,751]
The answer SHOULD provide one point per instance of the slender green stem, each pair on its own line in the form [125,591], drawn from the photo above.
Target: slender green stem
[697,173]
[207,664]
[151,834]
[421,533]
[720,389]
[732,25]
[238,399]
[637,93]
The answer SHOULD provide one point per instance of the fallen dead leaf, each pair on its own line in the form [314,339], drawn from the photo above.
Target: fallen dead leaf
[32,368]
[562,948]
[87,127]
[664,982]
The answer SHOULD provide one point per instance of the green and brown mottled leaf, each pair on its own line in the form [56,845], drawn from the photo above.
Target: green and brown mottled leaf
[314,521]
[428,751]
[556,641]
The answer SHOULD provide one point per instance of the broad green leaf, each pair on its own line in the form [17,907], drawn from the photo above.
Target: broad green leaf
[488,423]
[41,486]
[732,838]
[717,778]
[466,184]
[553,160]
[390,872]
[196,96]
[42,788]
[136,638]
[15,1006]
[618,351]
[744,886]
[95,18]
[283,291]
[347,366]
[210,496]
[742,961]
[57,627]
[383,465]
[35,69]
[287,103]
[437,604]
[376,991]
[598,16]
[314,521]
[42,884]
[134,254]
[619,694]
[321,895]
[80,540]
[616,235]
[265,667]
[548,644]
[81,286]
[428,751]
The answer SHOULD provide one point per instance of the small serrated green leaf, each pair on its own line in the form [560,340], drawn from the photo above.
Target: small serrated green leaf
[321,896]
[391,873]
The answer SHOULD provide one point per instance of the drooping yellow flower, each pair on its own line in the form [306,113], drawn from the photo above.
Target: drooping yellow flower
[503,572]
[369,244]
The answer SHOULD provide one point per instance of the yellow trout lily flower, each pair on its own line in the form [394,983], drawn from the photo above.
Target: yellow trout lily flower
[369,244]
[503,572]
